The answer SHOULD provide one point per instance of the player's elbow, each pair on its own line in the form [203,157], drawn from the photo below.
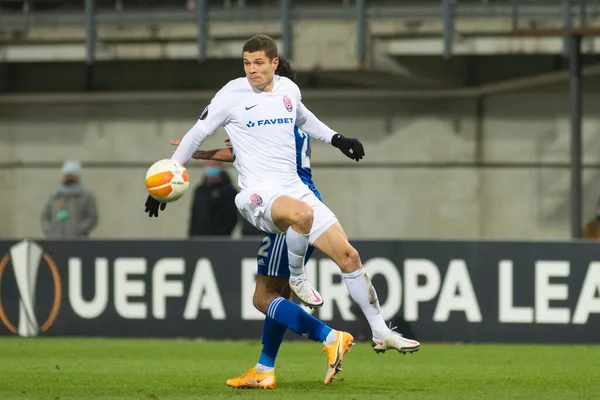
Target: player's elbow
[300,121]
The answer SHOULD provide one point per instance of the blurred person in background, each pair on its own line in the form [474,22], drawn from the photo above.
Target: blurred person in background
[213,207]
[592,228]
[249,230]
[71,211]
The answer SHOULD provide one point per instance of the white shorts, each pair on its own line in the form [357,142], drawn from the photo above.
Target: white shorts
[255,206]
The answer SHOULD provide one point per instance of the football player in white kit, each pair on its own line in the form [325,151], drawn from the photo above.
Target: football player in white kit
[259,113]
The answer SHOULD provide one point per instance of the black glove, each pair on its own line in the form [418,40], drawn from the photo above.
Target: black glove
[152,206]
[352,148]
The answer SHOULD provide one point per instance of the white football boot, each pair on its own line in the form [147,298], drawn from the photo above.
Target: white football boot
[302,287]
[395,341]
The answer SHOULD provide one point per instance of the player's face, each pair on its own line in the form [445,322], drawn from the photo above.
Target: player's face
[259,69]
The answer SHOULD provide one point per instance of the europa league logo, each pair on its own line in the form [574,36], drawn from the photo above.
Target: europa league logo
[26,259]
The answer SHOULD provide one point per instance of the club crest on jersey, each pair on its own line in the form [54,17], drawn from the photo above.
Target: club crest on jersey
[256,199]
[288,103]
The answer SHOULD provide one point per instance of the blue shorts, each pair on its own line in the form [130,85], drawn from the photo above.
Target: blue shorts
[272,257]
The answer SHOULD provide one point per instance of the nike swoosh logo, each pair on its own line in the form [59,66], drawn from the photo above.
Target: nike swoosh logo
[337,358]
[337,361]
[248,108]
[317,298]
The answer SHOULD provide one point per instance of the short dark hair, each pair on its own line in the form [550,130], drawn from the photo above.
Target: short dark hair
[261,43]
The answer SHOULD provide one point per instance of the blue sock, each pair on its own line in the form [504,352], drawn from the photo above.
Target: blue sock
[295,318]
[272,336]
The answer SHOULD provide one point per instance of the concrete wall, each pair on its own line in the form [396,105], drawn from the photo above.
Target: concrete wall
[410,199]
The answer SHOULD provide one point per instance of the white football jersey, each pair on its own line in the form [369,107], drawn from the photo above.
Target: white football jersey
[260,126]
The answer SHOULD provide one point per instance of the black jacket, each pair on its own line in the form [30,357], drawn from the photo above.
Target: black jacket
[249,230]
[213,208]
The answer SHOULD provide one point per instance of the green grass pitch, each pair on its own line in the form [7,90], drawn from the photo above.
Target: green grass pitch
[64,369]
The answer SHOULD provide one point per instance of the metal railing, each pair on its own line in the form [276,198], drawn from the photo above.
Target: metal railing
[41,11]
[25,14]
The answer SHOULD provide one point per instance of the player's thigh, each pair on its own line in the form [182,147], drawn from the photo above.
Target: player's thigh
[286,211]
[271,286]
[334,244]
[286,292]
[323,217]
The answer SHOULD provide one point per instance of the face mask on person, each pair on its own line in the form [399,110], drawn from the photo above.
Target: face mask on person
[68,185]
[212,172]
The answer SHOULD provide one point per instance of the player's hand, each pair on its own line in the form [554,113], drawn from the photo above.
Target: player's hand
[152,206]
[228,143]
[351,147]
[198,154]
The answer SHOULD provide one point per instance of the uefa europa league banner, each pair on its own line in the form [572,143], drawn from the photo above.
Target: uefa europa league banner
[433,291]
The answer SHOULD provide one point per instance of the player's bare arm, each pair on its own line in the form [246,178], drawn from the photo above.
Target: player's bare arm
[223,154]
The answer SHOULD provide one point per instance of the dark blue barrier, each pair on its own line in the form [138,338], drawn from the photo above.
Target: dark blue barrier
[434,291]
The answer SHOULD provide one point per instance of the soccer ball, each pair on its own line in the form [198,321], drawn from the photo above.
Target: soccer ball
[167,180]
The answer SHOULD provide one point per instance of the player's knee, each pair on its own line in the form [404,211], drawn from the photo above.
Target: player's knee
[286,292]
[350,260]
[262,299]
[303,218]
[260,302]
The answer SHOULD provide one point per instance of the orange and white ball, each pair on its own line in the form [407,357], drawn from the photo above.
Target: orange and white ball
[167,180]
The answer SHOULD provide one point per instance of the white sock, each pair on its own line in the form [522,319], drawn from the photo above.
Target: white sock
[263,369]
[297,244]
[363,293]
[330,338]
